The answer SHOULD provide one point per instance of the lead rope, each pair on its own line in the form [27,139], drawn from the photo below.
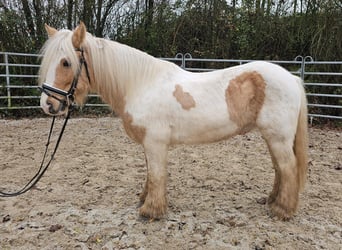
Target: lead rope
[70,98]
[42,168]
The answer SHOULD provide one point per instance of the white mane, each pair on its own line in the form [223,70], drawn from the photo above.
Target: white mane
[120,65]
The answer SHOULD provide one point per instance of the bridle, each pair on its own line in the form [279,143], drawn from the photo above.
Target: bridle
[69,101]
[68,95]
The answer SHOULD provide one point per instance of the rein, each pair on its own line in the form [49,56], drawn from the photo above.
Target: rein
[69,99]
[42,168]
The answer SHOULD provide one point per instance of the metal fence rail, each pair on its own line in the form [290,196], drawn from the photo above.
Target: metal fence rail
[322,79]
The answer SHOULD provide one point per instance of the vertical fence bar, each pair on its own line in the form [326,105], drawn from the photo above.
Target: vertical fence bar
[302,75]
[181,56]
[302,66]
[305,60]
[187,56]
[8,82]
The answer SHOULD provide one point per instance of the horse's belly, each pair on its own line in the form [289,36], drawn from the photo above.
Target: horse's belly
[202,131]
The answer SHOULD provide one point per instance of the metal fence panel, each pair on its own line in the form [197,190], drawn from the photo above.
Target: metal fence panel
[322,79]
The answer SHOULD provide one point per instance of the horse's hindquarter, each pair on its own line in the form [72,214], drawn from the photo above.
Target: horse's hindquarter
[282,100]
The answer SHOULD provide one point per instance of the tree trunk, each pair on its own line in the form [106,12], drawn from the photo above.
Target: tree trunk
[69,15]
[29,19]
[39,21]
[257,7]
[87,14]
[149,4]
[268,8]
[99,28]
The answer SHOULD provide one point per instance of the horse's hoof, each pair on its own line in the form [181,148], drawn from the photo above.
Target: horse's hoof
[152,212]
[282,212]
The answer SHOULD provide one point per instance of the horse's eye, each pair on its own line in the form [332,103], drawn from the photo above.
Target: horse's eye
[66,64]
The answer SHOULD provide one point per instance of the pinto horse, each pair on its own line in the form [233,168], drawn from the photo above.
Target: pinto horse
[161,104]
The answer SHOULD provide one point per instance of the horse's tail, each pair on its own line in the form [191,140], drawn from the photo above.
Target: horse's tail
[300,146]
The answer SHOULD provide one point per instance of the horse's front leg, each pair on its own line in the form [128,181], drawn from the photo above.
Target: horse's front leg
[154,194]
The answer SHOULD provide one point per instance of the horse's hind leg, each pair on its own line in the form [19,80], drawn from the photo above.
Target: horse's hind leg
[283,199]
[274,193]
[154,193]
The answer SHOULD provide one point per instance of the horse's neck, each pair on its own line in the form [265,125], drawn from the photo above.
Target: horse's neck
[126,71]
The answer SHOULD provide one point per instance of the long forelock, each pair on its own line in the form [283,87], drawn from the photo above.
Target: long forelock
[56,47]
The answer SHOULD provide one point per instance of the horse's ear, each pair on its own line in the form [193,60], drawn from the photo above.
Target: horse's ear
[79,35]
[51,31]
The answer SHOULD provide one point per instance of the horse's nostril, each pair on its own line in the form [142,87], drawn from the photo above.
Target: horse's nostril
[51,109]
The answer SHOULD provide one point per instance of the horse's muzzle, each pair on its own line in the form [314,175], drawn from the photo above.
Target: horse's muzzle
[56,101]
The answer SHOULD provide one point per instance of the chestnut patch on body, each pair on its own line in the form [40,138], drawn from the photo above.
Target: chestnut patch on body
[245,96]
[184,98]
[137,133]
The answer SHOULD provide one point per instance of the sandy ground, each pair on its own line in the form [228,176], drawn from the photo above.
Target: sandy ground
[88,198]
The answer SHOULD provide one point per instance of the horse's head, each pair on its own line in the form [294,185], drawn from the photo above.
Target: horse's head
[64,75]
